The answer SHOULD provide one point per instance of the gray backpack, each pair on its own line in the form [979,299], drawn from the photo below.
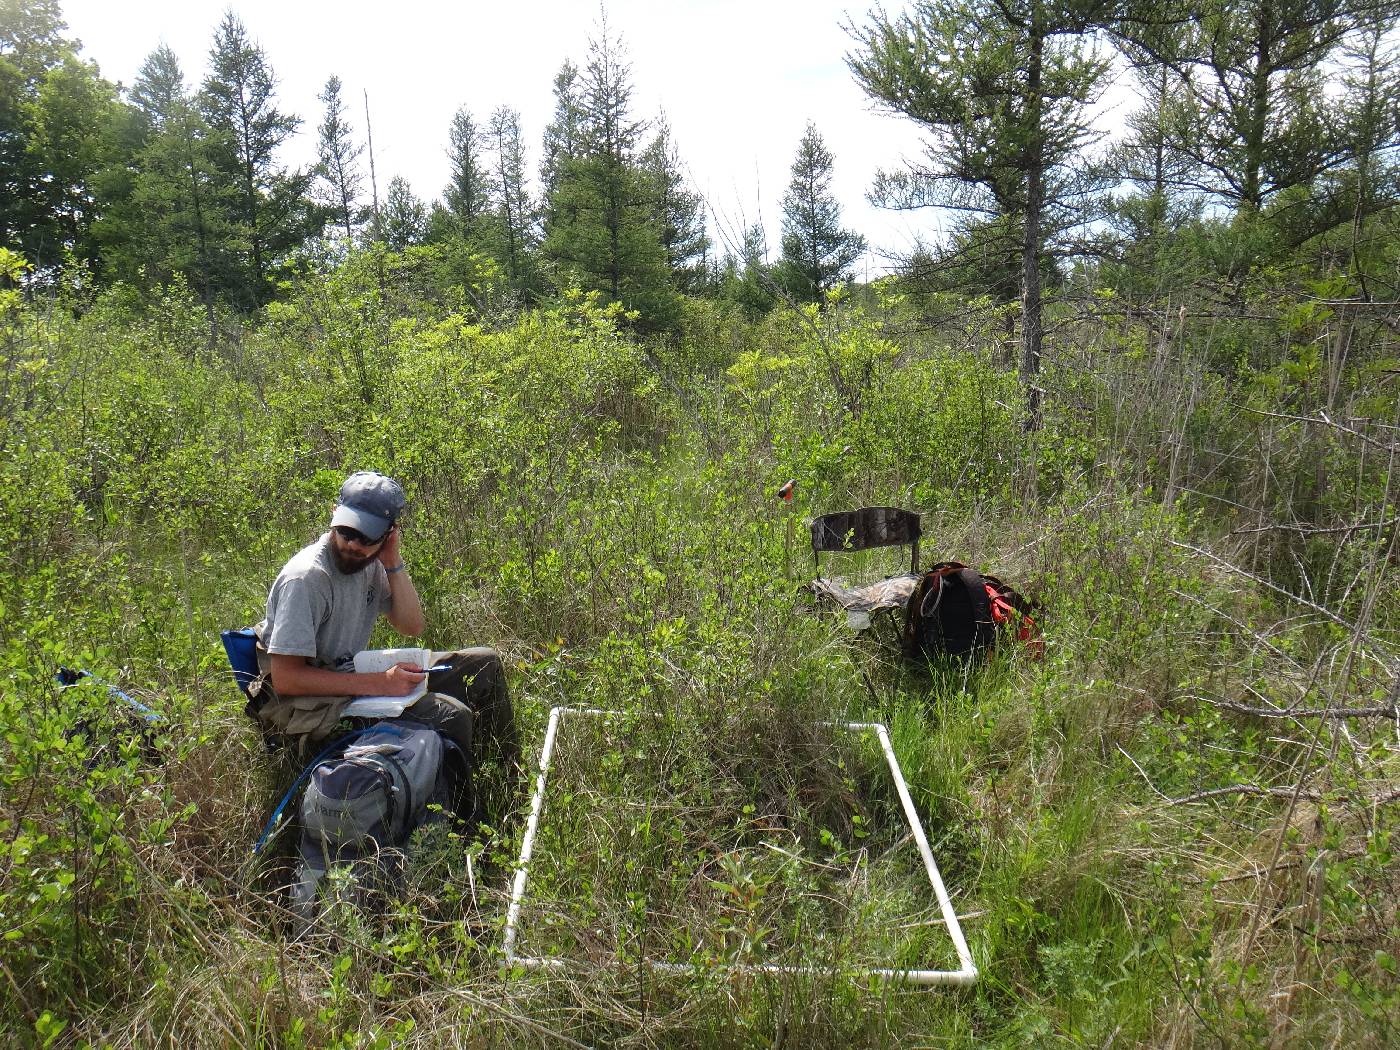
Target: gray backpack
[361,806]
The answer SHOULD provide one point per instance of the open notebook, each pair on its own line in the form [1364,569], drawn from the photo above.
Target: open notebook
[372,661]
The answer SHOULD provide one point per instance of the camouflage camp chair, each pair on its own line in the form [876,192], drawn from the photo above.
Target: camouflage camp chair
[860,530]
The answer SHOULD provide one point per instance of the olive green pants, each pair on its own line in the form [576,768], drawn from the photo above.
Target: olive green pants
[469,703]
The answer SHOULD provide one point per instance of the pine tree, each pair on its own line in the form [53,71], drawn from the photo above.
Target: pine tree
[747,279]
[1149,156]
[511,205]
[1254,71]
[679,212]
[563,136]
[1370,112]
[167,215]
[605,97]
[1166,183]
[159,91]
[443,227]
[404,216]
[1003,89]
[601,213]
[980,257]
[468,196]
[139,242]
[338,165]
[246,130]
[817,252]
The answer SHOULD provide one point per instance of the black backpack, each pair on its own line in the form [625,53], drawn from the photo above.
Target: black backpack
[361,805]
[959,612]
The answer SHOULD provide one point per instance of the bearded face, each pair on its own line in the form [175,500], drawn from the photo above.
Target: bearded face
[351,556]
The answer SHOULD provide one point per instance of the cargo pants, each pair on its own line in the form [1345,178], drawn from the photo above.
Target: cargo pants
[469,703]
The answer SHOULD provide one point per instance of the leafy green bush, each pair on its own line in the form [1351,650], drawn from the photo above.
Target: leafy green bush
[602,508]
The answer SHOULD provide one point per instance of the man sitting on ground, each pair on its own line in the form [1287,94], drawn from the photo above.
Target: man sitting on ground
[321,611]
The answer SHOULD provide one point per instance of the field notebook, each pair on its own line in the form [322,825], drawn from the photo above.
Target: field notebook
[371,661]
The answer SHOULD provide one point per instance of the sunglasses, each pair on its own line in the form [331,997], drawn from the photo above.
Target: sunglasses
[349,535]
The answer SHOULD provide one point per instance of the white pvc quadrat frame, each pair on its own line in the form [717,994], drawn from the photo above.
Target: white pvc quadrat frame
[965,975]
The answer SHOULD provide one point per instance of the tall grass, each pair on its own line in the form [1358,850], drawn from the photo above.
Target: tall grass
[604,513]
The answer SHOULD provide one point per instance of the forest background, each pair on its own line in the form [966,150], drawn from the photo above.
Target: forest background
[1150,377]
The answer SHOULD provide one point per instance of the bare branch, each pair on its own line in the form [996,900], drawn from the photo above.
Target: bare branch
[1160,793]
[1295,712]
[1323,418]
[1296,792]
[1321,610]
[1309,530]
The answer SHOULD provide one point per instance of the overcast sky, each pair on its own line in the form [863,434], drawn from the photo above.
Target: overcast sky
[737,79]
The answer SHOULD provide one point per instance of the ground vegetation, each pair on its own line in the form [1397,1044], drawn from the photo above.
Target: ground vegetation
[1176,827]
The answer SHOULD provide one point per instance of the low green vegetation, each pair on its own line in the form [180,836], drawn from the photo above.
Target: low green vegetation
[1149,381]
[1142,848]
[792,851]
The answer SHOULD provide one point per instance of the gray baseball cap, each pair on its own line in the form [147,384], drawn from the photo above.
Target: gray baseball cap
[369,502]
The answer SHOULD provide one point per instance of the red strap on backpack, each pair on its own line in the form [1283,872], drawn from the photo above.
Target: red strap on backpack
[1005,613]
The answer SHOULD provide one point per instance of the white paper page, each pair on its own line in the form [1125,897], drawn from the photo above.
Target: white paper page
[372,661]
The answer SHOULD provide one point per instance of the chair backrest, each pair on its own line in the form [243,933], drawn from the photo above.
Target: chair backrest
[241,645]
[863,529]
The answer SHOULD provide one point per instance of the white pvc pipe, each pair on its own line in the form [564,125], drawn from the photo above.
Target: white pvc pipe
[967,972]
[527,845]
[965,975]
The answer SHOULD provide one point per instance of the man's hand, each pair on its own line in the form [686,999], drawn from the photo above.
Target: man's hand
[389,555]
[405,610]
[402,679]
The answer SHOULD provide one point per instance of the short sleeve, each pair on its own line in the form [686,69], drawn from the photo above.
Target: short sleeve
[386,596]
[294,609]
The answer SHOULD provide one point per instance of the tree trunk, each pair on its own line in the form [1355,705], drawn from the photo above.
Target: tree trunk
[1252,191]
[1031,330]
[250,197]
[614,220]
[201,234]
[345,204]
[373,184]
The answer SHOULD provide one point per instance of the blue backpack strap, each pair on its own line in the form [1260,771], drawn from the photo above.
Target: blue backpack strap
[66,676]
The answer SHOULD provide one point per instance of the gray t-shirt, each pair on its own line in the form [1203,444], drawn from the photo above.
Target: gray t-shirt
[317,611]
